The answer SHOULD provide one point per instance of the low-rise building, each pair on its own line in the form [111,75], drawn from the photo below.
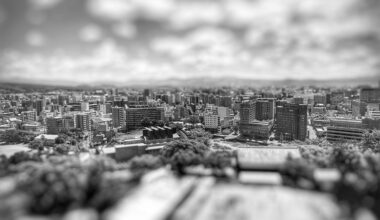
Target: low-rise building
[127,152]
[152,133]
[341,134]
[257,129]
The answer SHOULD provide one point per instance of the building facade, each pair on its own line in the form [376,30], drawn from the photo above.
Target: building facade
[291,122]
[134,116]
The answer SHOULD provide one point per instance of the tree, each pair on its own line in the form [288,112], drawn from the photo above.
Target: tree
[182,153]
[144,163]
[219,159]
[36,144]
[146,122]
[23,156]
[371,140]
[60,140]
[193,119]
[62,149]
[159,123]
[236,129]
[14,136]
[347,158]
[73,142]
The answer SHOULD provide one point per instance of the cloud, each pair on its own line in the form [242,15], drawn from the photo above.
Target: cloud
[90,33]
[148,39]
[189,14]
[35,38]
[125,30]
[3,15]
[111,9]
[44,4]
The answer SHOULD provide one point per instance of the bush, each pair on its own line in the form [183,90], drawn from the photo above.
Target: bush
[62,149]
[36,144]
[183,153]
[23,156]
[219,159]
[144,163]
[63,183]
[15,136]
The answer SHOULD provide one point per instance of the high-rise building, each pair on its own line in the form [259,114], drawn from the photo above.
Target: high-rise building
[69,122]
[247,112]
[83,121]
[291,120]
[146,93]
[319,99]
[118,117]
[370,95]
[40,106]
[54,125]
[135,115]
[371,123]
[265,109]
[63,99]
[28,116]
[194,99]
[180,112]
[226,101]
[298,100]
[337,97]
[358,108]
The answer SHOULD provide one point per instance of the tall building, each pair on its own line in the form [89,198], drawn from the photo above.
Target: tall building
[54,125]
[265,109]
[69,122]
[223,112]
[146,93]
[118,117]
[298,100]
[226,101]
[83,121]
[247,112]
[358,108]
[337,97]
[319,99]
[63,100]
[249,126]
[371,123]
[180,112]
[135,115]
[40,106]
[28,116]
[212,121]
[291,120]
[370,95]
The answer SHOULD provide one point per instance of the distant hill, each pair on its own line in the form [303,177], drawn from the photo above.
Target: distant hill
[204,82]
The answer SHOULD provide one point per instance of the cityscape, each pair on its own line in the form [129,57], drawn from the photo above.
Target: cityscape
[189,110]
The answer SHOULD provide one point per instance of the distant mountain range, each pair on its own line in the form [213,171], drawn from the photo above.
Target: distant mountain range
[205,82]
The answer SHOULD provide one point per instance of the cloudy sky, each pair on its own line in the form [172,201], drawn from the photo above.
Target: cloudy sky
[123,41]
